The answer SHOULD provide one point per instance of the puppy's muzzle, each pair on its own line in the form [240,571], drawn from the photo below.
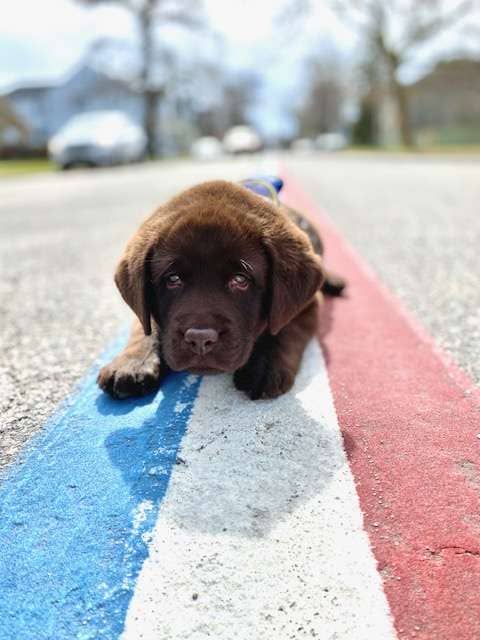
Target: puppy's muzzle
[201,341]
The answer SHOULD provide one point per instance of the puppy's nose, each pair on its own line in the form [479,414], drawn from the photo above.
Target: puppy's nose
[201,341]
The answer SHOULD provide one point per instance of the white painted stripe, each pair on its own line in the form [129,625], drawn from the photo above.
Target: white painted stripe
[260,534]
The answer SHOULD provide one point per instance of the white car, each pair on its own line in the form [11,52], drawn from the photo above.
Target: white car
[242,139]
[98,138]
[206,148]
[302,145]
[331,141]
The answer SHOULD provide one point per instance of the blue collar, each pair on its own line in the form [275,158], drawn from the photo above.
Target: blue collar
[266,186]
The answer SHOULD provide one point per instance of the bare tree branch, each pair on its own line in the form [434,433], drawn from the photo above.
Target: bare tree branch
[419,31]
[180,18]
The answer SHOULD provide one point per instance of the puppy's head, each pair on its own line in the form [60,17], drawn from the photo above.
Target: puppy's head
[215,268]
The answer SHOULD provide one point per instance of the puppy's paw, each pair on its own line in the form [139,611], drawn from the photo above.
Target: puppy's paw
[131,377]
[263,379]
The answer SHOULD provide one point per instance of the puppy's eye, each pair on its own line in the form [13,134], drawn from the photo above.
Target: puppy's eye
[173,281]
[239,282]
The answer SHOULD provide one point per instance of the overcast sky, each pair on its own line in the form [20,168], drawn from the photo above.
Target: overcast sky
[41,40]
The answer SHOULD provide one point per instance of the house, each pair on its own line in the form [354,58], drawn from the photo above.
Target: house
[445,103]
[46,108]
[443,106]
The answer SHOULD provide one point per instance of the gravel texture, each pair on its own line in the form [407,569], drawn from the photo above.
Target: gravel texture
[416,220]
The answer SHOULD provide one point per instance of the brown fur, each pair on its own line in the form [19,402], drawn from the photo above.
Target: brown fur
[180,273]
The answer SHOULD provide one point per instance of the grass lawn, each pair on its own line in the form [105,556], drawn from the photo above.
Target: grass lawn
[440,149]
[19,167]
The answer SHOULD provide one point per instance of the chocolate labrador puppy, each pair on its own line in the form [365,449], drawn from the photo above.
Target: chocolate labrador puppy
[221,280]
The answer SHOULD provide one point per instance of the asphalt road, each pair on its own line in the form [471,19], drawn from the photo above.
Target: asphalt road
[415,220]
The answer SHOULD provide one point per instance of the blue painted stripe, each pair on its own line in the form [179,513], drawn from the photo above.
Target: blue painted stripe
[76,515]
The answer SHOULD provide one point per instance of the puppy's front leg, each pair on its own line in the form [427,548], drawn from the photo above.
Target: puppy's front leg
[275,360]
[137,370]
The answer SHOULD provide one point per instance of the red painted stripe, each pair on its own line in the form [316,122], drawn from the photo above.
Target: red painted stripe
[410,420]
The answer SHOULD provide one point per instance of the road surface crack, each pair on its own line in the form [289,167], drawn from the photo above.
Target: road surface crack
[458,551]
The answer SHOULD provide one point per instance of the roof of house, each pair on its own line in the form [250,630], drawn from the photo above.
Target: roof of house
[459,72]
[34,89]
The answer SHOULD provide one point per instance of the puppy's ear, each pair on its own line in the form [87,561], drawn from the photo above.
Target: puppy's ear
[296,275]
[132,278]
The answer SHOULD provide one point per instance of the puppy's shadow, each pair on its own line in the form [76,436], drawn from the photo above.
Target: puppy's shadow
[326,320]
[108,406]
[244,466]
[145,449]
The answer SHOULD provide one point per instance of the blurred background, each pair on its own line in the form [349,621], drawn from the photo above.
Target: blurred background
[93,82]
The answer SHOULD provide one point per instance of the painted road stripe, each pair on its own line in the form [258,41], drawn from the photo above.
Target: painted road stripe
[410,420]
[260,534]
[75,516]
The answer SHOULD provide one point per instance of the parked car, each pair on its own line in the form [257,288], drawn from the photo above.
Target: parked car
[206,148]
[302,145]
[331,141]
[98,138]
[242,139]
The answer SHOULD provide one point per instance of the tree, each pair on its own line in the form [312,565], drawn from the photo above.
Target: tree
[364,131]
[149,15]
[393,31]
[320,111]
[236,95]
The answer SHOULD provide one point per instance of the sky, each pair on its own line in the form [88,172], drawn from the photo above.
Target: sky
[42,40]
